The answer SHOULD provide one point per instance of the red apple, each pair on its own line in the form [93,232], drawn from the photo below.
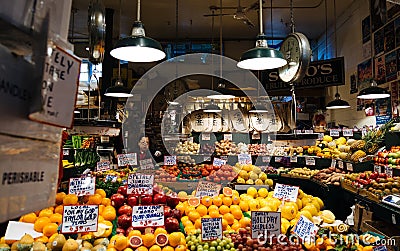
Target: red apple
[171,225]
[176,214]
[117,200]
[172,201]
[120,231]
[125,209]
[132,200]
[124,221]
[159,199]
[167,212]
[123,190]
[147,200]
[129,229]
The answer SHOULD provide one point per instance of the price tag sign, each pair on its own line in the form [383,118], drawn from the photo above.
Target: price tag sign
[127,159]
[228,136]
[205,188]
[170,160]
[389,171]
[146,164]
[266,159]
[205,136]
[286,192]
[293,159]
[102,166]
[224,157]
[65,152]
[80,218]
[218,162]
[348,132]
[278,159]
[244,159]
[377,169]
[140,184]
[333,163]
[82,186]
[380,248]
[334,133]
[206,158]
[190,139]
[111,178]
[211,229]
[147,216]
[310,161]
[320,136]
[298,131]
[305,229]
[340,164]
[256,136]
[349,167]
[265,224]
[309,131]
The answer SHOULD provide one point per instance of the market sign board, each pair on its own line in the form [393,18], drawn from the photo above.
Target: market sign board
[305,229]
[321,73]
[286,192]
[80,218]
[82,186]
[265,224]
[140,184]
[205,188]
[147,216]
[211,229]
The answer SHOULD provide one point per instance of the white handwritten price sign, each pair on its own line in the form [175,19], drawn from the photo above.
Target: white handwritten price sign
[293,159]
[218,162]
[205,188]
[103,166]
[206,158]
[170,160]
[211,229]
[205,136]
[298,131]
[389,171]
[349,167]
[340,164]
[348,132]
[139,184]
[256,136]
[111,178]
[147,216]
[244,159]
[377,169]
[310,161]
[146,164]
[82,186]
[333,163]
[228,136]
[320,136]
[80,218]
[127,159]
[224,157]
[286,192]
[190,139]
[266,159]
[334,133]
[264,224]
[65,152]
[305,228]
[278,159]
[309,131]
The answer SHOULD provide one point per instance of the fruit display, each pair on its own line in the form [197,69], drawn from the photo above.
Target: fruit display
[182,160]
[294,151]
[304,172]
[242,148]
[161,175]
[252,175]
[194,242]
[226,147]
[187,147]
[223,175]
[207,149]
[258,149]
[390,158]
[329,176]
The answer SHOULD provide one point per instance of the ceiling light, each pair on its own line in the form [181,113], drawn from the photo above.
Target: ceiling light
[258,108]
[338,103]
[373,92]
[118,90]
[172,103]
[138,47]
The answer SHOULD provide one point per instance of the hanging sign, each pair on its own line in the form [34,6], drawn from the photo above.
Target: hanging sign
[264,224]
[59,88]
[278,159]
[146,164]
[211,229]
[377,169]
[147,216]
[103,166]
[139,184]
[340,164]
[286,192]
[82,186]
[305,229]
[205,188]
[218,162]
[266,159]
[244,159]
[80,218]
[389,171]
[170,160]
[348,132]
[127,159]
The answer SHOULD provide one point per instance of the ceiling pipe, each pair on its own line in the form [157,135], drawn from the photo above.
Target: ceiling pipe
[213,7]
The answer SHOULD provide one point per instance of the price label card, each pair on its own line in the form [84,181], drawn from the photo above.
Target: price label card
[389,171]
[127,159]
[170,160]
[286,192]
[205,136]
[348,132]
[266,159]
[256,136]
[140,184]
[340,164]
[224,157]
[211,229]
[80,218]
[333,163]
[305,229]
[377,169]
[205,188]
[310,161]
[334,133]
[190,139]
[65,152]
[146,164]
[363,132]
[349,167]
[218,162]
[293,159]
[147,216]
[298,131]
[264,224]
[309,131]
[228,136]
[82,186]
[380,248]
[206,158]
[244,159]
[320,136]
[278,159]
[111,178]
[103,166]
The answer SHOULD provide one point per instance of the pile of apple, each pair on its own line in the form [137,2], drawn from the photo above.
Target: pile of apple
[161,175]
[390,158]
[124,202]
[224,173]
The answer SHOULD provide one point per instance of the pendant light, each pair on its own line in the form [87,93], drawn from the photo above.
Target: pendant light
[212,108]
[338,103]
[138,47]
[373,92]
[261,57]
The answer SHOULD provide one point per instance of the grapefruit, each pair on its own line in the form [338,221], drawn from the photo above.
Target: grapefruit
[161,240]
[227,191]
[194,201]
[135,241]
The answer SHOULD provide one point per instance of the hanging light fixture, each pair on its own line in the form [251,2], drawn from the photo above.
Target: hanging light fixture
[261,57]
[118,90]
[138,47]
[212,107]
[338,103]
[373,92]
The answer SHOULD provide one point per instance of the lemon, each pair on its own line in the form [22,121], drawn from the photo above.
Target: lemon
[252,191]
[262,192]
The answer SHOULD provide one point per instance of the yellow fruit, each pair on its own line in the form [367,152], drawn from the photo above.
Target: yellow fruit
[142,248]
[252,191]
[155,248]
[56,218]
[180,248]
[214,213]
[300,194]
[206,201]
[285,224]
[265,209]
[159,230]
[227,191]
[254,205]
[197,223]
[306,214]
[40,223]
[227,201]
[194,215]
[235,200]
[106,201]
[189,209]
[119,242]
[148,240]
[60,197]
[225,224]
[109,213]
[320,202]
[136,232]
[224,209]
[244,206]
[245,222]
[95,199]
[101,192]
[229,218]
[202,210]
[289,211]
[262,192]
[299,204]
[174,239]
[59,209]
[217,201]
[42,239]
[212,207]
[237,213]
[327,216]
[28,218]
[168,248]
[311,208]
[316,204]
[45,213]
[70,199]
[194,201]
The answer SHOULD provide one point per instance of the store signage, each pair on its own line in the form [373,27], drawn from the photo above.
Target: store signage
[211,229]
[389,171]
[305,229]
[111,178]
[228,136]
[80,218]
[170,160]
[319,74]
[266,159]
[206,158]
[286,192]
[218,162]
[224,157]
[59,88]
[147,216]
[205,136]
[244,159]
[256,136]
[65,152]
[265,224]
[146,164]
[205,188]
[333,163]
[82,186]
[320,136]
[310,161]
[190,139]
[127,159]
[349,167]
[293,159]
[140,184]
[348,132]
[298,131]
[278,159]
[340,164]
[334,133]
[103,166]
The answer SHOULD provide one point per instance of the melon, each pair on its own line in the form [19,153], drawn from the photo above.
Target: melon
[161,239]
[135,241]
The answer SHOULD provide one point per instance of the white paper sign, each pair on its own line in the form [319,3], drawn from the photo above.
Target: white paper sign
[127,159]
[15,230]
[286,192]
[170,160]
[380,248]
[205,136]
[349,167]
[211,229]
[82,186]
[377,169]
[147,216]
[65,152]
[333,163]
[218,162]
[206,158]
[340,164]
[190,139]
[266,159]
[389,171]
[228,136]
[103,166]
[309,131]
[278,159]
[205,188]
[59,89]
[334,133]
[80,218]
[244,159]
[298,131]
[264,224]
[310,161]
[320,136]
[293,159]
[139,184]
[348,132]
[305,228]
[146,164]
[224,157]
